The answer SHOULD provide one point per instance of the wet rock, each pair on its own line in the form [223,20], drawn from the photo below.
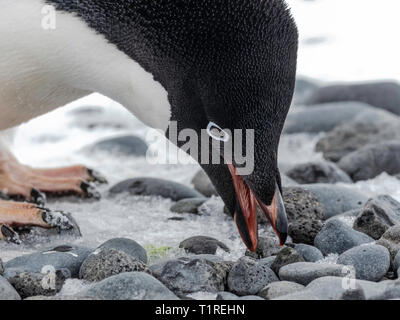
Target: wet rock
[61,257]
[370,127]
[267,246]
[391,240]
[285,256]
[129,286]
[202,245]
[190,275]
[7,291]
[1,268]
[203,184]
[305,214]
[305,272]
[278,289]
[125,145]
[249,277]
[384,95]
[39,284]
[378,215]
[318,172]
[336,199]
[155,187]
[309,253]
[323,117]
[372,160]
[303,90]
[104,263]
[188,205]
[338,237]
[371,262]
[128,246]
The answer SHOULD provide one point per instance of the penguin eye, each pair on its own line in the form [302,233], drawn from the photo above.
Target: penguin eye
[217,133]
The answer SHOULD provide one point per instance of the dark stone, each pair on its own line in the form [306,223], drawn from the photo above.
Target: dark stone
[155,187]
[267,247]
[203,184]
[188,205]
[309,253]
[202,245]
[391,240]
[286,256]
[125,145]
[128,246]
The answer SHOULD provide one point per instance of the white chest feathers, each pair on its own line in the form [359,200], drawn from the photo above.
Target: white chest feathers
[50,58]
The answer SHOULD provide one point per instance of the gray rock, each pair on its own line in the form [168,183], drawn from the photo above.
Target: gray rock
[338,237]
[305,272]
[303,90]
[304,212]
[303,295]
[370,127]
[357,294]
[318,172]
[128,246]
[372,160]
[379,214]
[61,257]
[286,256]
[309,253]
[250,298]
[268,261]
[155,187]
[278,289]
[287,182]
[336,199]
[1,267]
[125,145]
[230,296]
[267,246]
[346,216]
[371,262]
[105,262]
[392,292]
[7,291]
[188,205]
[203,184]
[391,240]
[249,277]
[129,286]
[60,298]
[34,284]
[384,95]
[323,117]
[190,275]
[202,245]
[396,262]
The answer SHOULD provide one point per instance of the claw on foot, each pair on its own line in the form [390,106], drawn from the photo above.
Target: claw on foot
[90,191]
[95,176]
[38,197]
[9,235]
[56,219]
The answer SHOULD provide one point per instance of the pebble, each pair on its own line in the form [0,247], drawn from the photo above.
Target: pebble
[392,292]
[129,246]
[129,286]
[379,214]
[338,237]
[305,272]
[286,256]
[202,245]
[391,240]
[61,257]
[249,277]
[396,262]
[155,187]
[371,262]
[372,160]
[309,253]
[203,184]
[105,262]
[267,246]
[7,291]
[280,288]
[230,296]
[126,145]
[318,172]
[188,205]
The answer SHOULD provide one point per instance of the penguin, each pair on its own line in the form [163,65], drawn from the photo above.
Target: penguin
[229,63]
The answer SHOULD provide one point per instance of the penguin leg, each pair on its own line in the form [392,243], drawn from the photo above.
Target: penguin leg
[23,182]
[17,214]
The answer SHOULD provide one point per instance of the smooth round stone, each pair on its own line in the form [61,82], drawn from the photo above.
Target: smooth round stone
[338,237]
[61,257]
[1,267]
[128,246]
[230,296]
[249,277]
[202,245]
[129,286]
[155,187]
[391,240]
[392,292]
[286,256]
[268,261]
[203,184]
[125,145]
[267,246]
[370,261]
[309,253]
[278,289]
[7,291]
[305,272]
[396,262]
[188,205]
[104,263]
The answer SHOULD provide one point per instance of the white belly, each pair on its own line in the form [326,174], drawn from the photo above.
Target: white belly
[41,70]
